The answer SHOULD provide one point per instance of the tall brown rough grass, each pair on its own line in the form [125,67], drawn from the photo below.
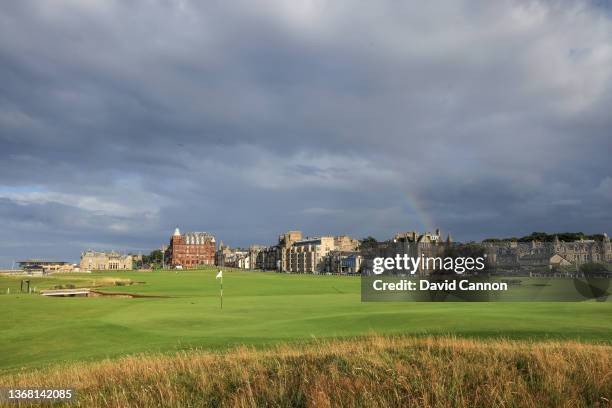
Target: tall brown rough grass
[368,372]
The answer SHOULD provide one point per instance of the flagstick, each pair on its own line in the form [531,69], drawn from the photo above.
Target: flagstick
[220,276]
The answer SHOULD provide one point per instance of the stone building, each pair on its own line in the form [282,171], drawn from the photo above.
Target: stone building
[191,249]
[222,254]
[253,254]
[232,258]
[268,259]
[412,243]
[529,255]
[307,255]
[345,243]
[94,260]
[583,251]
[243,260]
[292,253]
[45,266]
[342,262]
[284,242]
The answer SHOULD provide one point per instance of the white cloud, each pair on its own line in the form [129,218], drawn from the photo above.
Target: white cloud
[148,204]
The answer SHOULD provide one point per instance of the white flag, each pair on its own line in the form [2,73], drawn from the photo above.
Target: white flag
[219,275]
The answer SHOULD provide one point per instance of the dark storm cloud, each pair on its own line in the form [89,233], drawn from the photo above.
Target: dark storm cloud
[120,120]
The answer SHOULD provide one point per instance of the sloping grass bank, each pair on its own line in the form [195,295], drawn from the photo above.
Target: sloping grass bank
[372,371]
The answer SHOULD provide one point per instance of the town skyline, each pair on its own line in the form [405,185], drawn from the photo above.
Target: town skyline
[443,235]
[293,252]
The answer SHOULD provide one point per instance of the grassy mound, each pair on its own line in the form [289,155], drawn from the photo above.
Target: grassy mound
[371,371]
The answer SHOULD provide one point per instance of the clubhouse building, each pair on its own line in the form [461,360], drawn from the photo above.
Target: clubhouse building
[94,260]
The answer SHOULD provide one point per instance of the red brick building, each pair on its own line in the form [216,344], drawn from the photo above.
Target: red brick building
[192,249]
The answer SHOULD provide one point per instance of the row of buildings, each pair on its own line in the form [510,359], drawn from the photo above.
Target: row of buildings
[556,254]
[295,253]
[292,253]
[90,260]
[342,254]
[412,243]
